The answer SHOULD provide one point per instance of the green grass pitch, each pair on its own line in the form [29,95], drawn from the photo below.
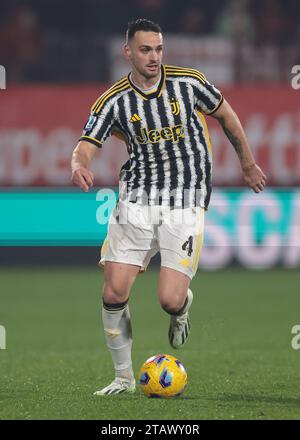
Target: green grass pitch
[239,358]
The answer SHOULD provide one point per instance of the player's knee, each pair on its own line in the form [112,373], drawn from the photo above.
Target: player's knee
[114,294]
[171,303]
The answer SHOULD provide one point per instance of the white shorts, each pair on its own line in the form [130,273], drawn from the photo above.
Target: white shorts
[137,232]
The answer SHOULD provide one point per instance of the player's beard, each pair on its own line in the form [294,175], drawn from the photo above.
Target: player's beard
[155,74]
[146,73]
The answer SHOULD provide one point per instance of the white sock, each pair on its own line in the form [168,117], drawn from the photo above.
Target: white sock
[118,335]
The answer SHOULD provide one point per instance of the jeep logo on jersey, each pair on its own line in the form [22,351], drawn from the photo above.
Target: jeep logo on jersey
[166,133]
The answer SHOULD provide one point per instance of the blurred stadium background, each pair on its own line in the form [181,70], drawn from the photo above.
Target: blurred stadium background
[59,57]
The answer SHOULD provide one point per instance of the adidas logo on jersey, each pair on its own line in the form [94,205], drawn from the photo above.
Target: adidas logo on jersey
[135,118]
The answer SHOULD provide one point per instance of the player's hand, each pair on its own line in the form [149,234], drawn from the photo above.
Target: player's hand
[83,178]
[255,178]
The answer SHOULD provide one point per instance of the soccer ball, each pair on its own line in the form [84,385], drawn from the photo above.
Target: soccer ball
[162,376]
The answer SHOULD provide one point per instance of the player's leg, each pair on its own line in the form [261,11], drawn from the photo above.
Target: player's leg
[180,241]
[118,280]
[176,298]
[127,251]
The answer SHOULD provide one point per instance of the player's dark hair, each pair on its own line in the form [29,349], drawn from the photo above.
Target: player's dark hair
[141,24]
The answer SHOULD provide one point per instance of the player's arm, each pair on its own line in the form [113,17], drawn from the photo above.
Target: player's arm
[253,175]
[81,158]
[96,130]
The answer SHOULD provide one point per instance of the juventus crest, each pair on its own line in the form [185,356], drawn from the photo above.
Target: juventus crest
[175,106]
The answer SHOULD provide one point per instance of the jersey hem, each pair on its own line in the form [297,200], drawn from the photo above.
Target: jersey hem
[91,140]
[216,108]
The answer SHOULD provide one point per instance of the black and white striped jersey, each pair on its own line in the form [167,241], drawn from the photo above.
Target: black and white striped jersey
[166,135]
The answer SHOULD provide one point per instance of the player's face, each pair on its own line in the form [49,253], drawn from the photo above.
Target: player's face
[144,51]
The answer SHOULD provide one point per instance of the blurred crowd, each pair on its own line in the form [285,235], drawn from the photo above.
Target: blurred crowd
[37,34]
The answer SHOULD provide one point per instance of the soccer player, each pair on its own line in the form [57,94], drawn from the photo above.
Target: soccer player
[165,185]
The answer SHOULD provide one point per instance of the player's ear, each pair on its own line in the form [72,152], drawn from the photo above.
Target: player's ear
[127,51]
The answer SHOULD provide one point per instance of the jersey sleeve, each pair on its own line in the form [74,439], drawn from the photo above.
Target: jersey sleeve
[99,125]
[207,97]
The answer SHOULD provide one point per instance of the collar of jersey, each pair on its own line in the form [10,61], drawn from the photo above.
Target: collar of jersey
[157,93]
